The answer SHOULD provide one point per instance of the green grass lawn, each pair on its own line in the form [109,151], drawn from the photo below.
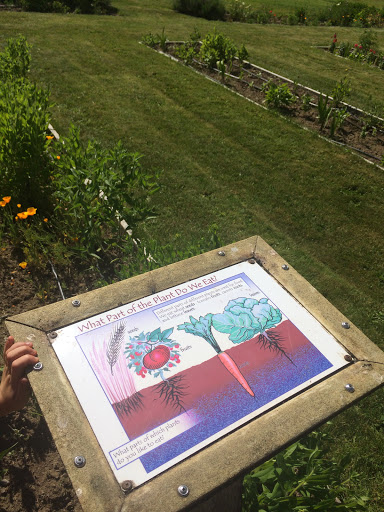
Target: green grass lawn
[233,164]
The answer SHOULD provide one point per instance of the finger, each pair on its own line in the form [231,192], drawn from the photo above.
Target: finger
[18,350]
[19,366]
[8,344]
[19,344]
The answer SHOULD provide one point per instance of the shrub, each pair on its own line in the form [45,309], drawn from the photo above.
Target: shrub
[15,60]
[368,40]
[95,188]
[209,9]
[24,119]
[64,6]
[240,11]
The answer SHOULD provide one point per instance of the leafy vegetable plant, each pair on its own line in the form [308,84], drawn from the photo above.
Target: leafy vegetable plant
[278,96]
[302,479]
[244,318]
[95,189]
[217,47]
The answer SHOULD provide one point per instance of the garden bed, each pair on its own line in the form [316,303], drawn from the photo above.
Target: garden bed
[360,131]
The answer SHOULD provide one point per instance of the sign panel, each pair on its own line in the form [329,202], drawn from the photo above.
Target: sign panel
[164,376]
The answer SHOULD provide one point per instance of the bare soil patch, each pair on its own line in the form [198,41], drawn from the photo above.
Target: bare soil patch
[33,475]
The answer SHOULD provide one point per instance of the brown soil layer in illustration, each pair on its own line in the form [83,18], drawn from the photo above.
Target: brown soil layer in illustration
[210,377]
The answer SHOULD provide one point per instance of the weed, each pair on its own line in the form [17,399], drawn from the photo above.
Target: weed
[3,454]
[150,40]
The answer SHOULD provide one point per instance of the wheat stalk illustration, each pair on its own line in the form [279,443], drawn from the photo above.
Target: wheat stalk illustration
[114,345]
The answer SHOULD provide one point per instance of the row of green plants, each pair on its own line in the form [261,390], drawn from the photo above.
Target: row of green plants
[67,6]
[331,111]
[343,13]
[365,50]
[62,199]
[215,51]
[219,53]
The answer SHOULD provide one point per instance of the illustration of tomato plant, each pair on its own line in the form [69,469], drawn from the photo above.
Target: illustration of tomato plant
[152,353]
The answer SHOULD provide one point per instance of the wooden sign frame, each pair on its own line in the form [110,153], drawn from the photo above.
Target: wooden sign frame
[225,460]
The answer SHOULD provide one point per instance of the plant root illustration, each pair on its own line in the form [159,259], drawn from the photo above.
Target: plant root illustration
[172,392]
[154,353]
[131,404]
[274,342]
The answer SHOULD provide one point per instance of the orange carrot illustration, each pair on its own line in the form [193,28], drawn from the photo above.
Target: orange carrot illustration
[233,369]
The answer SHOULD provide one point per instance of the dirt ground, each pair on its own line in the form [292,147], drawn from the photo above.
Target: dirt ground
[32,475]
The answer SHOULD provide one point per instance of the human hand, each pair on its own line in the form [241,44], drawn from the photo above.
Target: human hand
[14,386]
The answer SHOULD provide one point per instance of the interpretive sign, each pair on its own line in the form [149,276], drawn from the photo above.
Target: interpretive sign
[161,377]
[190,375]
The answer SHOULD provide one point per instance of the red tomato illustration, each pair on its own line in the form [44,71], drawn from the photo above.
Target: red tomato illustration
[157,358]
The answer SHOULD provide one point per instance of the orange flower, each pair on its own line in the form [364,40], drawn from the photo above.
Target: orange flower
[45,220]
[23,264]
[2,203]
[58,157]
[7,199]
[18,205]
[49,137]
[31,210]
[22,215]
